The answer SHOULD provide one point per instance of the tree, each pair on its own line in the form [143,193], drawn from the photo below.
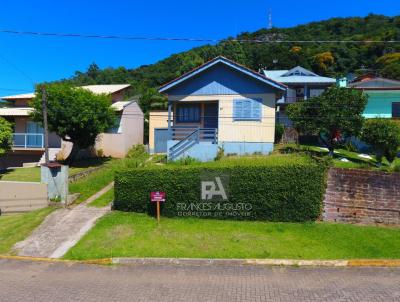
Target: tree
[334,115]
[383,135]
[389,65]
[323,61]
[75,114]
[6,133]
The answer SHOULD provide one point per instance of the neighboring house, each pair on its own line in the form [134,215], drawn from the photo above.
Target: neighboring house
[28,140]
[383,95]
[302,84]
[221,104]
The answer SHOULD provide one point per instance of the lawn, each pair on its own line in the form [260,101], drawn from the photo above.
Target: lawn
[33,174]
[138,235]
[16,227]
[103,200]
[96,181]
[343,158]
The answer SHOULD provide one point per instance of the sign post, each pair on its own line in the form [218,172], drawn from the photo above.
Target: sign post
[158,198]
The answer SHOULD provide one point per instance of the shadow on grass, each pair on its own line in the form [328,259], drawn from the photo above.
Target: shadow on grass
[89,162]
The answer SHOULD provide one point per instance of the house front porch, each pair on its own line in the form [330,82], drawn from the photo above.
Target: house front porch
[193,129]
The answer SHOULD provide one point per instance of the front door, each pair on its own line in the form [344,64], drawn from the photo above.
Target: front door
[211,115]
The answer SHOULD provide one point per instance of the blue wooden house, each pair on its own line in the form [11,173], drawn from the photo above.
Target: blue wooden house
[221,104]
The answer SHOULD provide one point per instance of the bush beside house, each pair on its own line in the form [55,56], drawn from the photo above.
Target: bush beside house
[278,188]
[383,135]
[6,132]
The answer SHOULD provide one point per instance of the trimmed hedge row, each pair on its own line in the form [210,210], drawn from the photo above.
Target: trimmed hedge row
[278,188]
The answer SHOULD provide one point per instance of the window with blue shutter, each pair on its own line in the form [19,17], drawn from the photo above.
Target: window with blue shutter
[247,110]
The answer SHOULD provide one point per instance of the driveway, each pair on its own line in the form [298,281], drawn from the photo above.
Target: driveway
[62,229]
[33,281]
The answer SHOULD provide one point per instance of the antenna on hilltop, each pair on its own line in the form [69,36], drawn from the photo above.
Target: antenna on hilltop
[270,19]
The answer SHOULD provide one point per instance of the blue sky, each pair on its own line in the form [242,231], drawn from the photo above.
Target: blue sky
[44,58]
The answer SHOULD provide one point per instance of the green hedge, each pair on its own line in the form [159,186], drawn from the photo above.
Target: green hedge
[276,188]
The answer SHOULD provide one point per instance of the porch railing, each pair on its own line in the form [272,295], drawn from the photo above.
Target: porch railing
[193,137]
[28,140]
[179,133]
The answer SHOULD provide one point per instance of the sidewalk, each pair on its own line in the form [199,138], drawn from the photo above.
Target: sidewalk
[62,229]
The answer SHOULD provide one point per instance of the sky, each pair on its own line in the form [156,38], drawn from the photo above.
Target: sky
[26,60]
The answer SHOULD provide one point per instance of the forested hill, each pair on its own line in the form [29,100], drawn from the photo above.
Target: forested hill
[331,59]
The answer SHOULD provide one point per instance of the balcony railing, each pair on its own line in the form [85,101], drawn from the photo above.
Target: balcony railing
[179,133]
[28,140]
[291,100]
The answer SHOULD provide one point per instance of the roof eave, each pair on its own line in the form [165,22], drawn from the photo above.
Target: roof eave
[253,74]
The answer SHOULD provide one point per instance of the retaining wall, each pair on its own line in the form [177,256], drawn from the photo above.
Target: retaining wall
[22,196]
[361,196]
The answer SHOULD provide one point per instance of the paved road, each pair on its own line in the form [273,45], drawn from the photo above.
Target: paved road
[27,281]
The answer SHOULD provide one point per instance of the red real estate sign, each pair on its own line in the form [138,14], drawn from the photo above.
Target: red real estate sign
[157,196]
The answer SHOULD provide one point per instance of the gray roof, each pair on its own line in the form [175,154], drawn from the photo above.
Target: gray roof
[297,75]
[376,82]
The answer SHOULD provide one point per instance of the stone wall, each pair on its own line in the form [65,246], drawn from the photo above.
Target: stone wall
[360,196]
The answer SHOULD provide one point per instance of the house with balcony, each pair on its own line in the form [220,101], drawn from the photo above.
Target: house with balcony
[221,104]
[28,138]
[302,85]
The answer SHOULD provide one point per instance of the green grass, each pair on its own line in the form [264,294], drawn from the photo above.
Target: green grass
[16,227]
[103,200]
[354,160]
[96,181]
[138,235]
[22,174]
[33,174]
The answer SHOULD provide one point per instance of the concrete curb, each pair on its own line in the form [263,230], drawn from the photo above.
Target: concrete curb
[217,262]
[105,261]
[255,262]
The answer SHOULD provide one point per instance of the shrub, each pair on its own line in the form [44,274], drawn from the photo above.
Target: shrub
[137,152]
[384,137]
[185,161]
[220,153]
[6,132]
[279,130]
[278,188]
[396,167]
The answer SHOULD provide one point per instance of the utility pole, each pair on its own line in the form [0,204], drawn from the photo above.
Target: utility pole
[45,126]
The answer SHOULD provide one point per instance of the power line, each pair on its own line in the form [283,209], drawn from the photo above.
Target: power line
[184,39]
[17,69]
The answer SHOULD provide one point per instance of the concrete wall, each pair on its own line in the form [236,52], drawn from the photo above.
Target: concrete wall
[240,131]
[157,119]
[132,126]
[360,196]
[22,196]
